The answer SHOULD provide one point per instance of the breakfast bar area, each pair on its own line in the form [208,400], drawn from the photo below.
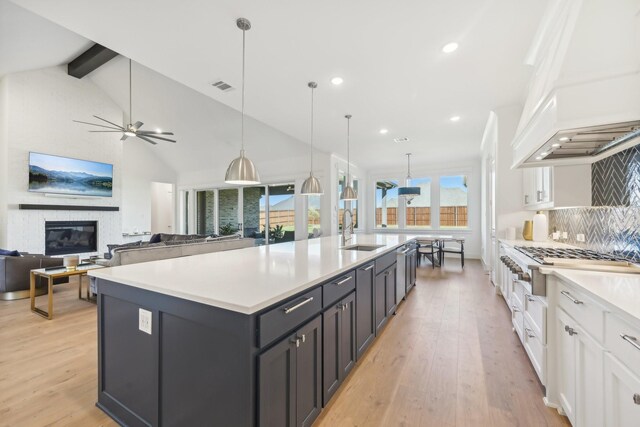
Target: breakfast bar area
[265,338]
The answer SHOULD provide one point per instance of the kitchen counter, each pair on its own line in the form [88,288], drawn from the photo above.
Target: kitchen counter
[529,243]
[618,289]
[249,280]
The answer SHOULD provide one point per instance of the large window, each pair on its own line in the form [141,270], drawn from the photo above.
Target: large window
[352,205]
[205,212]
[227,211]
[387,204]
[313,217]
[454,202]
[418,210]
[282,213]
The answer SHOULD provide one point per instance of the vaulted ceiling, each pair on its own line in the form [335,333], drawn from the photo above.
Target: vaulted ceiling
[388,53]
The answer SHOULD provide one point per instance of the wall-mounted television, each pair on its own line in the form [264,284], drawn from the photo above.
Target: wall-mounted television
[64,175]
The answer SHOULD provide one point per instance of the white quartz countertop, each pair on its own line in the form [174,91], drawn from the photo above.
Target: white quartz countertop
[248,280]
[618,289]
[530,243]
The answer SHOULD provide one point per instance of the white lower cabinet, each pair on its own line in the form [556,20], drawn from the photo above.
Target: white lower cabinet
[580,370]
[622,394]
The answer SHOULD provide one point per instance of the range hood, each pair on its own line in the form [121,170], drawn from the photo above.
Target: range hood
[584,99]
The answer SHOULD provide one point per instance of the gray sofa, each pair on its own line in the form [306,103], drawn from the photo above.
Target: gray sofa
[174,249]
[15,275]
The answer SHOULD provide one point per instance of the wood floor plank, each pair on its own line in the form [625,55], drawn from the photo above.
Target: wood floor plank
[448,358]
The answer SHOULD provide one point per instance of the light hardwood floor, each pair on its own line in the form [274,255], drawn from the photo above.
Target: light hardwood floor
[448,358]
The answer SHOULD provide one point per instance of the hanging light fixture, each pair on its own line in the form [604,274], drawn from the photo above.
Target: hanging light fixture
[311,186]
[407,192]
[348,193]
[242,171]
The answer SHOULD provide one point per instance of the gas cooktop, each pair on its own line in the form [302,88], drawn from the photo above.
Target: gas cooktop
[539,254]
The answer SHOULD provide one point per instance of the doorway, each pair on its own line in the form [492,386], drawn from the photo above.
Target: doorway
[162,208]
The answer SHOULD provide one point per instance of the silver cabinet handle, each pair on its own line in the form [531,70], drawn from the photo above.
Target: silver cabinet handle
[343,281]
[288,310]
[296,341]
[636,399]
[570,330]
[367,268]
[515,309]
[530,333]
[573,300]
[406,250]
[530,298]
[539,195]
[526,199]
[631,340]
[303,337]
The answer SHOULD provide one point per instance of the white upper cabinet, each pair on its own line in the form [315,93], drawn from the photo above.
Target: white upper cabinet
[556,187]
[586,72]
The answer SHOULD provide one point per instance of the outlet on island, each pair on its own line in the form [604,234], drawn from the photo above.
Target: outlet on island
[580,237]
[144,320]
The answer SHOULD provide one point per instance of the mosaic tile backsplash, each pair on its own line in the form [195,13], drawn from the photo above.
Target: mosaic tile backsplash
[613,223]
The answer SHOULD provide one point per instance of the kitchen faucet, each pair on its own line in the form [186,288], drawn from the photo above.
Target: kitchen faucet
[345,239]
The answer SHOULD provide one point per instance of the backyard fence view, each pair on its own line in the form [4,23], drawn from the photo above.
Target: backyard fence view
[450,216]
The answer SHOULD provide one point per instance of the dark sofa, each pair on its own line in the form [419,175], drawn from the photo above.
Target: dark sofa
[15,275]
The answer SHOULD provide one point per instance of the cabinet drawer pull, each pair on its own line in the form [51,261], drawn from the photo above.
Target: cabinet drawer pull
[530,298]
[367,268]
[406,250]
[631,340]
[573,300]
[570,330]
[636,399]
[530,333]
[295,341]
[288,310]
[343,281]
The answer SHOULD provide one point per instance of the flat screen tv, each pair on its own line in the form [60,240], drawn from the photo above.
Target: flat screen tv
[63,175]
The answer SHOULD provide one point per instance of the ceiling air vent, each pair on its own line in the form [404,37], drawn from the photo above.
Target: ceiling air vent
[223,86]
[401,139]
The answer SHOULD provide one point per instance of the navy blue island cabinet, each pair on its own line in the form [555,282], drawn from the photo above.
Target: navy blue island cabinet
[200,365]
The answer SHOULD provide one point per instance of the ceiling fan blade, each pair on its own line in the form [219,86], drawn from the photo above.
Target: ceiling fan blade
[104,120]
[157,137]
[102,126]
[100,131]
[124,136]
[148,132]
[137,125]
[142,137]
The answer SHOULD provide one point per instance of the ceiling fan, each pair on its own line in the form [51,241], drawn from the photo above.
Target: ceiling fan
[132,129]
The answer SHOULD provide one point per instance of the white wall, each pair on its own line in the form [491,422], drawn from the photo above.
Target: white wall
[472,235]
[4,161]
[41,105]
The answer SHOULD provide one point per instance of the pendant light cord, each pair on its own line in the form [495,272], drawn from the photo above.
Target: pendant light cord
[243,66]
[130,96]
[312,89]
[348,116]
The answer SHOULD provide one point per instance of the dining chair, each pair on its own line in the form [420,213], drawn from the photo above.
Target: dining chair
[455,247]
[428,249]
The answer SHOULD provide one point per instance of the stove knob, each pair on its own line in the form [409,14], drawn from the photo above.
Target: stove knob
[525,277]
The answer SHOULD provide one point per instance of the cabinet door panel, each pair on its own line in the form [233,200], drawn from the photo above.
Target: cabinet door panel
[391,291]
[566,359]
[331,351]
[365,308]
[589,381]
[622,394]
[348,336]
[309,373]
[276,385]
[381,301]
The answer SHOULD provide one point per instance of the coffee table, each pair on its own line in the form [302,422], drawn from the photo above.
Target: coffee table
[54,273]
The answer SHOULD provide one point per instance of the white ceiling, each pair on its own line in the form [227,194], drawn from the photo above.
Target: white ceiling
[387,52]
[28,41]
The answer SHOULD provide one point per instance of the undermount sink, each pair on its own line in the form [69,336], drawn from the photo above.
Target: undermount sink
[367,248]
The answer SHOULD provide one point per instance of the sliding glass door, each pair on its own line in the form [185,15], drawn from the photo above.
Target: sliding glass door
[282,213]
[205,212]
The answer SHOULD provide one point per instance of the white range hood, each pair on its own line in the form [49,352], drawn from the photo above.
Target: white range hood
[584,99]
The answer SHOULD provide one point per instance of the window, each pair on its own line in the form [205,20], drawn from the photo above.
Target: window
[453,202]
[253,213]
[185,212]
[205,212]
[387,204]
[352,205]
[313,217]
[418,210]
[227,211]
[282,213]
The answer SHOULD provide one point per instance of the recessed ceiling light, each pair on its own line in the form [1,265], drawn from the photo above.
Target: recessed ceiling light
[564,138]
[454,118]
[450,47]
[384,131]
[544,153]
[538,158]
[555,145]
[337,81]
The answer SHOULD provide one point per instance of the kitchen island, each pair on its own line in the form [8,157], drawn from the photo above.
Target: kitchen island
[257,336]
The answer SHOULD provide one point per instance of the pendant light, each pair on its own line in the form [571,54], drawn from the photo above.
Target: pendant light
[407,192]
[242,171]
[348,193]
[311,186]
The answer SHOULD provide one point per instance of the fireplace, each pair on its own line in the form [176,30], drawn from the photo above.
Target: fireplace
[70,237]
